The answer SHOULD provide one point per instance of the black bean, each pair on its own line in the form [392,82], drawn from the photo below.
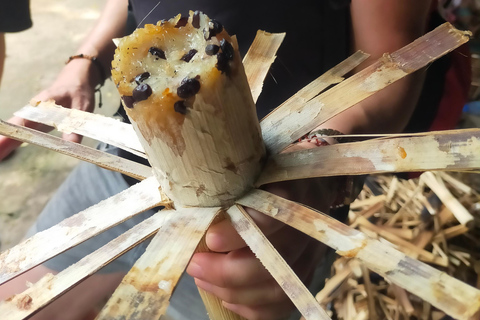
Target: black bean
[142,77]
[211,49]
[222,62]
[196,19]
[157,52]
[188,88]
[216,28]
[188,56]
[142,92]
[180,107]
[227,49]
[182,22]
[128,101]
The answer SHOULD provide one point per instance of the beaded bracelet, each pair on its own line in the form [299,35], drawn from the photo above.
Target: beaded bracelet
[100,69]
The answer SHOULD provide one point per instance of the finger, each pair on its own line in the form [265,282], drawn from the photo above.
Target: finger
[263,293]
[280,311]
[222,237]
[7,146]
[238,268]
[73,137]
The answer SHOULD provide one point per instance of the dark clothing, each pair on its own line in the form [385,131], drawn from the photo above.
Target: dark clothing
[14,15]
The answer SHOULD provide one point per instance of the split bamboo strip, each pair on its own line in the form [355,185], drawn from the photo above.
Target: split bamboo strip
[452,150]
[458,210]
[78,228]
[274,120]
[279,269]
[95,126]
[281,131]
[101,159]
[446,293]
[50,287]
[259,58]
[146,290]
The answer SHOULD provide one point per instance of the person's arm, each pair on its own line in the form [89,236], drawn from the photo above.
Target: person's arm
[384,26]
[75,85]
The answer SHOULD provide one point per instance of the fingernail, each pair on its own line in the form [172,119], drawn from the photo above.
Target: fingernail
[230,306]
[195,270]
[203,285]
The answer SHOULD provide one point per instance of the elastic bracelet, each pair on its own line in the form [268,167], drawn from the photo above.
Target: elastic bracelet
[327,133]
[100,69]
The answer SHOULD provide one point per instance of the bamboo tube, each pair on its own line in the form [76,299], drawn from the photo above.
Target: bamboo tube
[101,159]
[199,127]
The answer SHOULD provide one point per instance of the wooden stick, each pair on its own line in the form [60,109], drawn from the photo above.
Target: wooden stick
[146,290]
[294,104]
[372,313]
[95,126]
[458,210]
[402,297]
[332,284]
[259,58]
[446,293]
[271,259]
[50,287]
[453,149]
[78,228]
[281,131]
[101,159]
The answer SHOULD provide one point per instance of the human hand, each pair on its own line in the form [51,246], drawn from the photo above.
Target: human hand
[74,88]
[233,273]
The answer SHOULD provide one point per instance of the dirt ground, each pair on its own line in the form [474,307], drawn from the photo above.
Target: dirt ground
[34,57]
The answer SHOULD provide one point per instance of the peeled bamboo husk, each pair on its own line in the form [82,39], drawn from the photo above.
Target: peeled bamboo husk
[146,289]
[81,152]
[280,131]
[95,126]
[78,228]
[50,286]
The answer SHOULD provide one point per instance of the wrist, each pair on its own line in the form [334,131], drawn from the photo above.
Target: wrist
[88,66]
